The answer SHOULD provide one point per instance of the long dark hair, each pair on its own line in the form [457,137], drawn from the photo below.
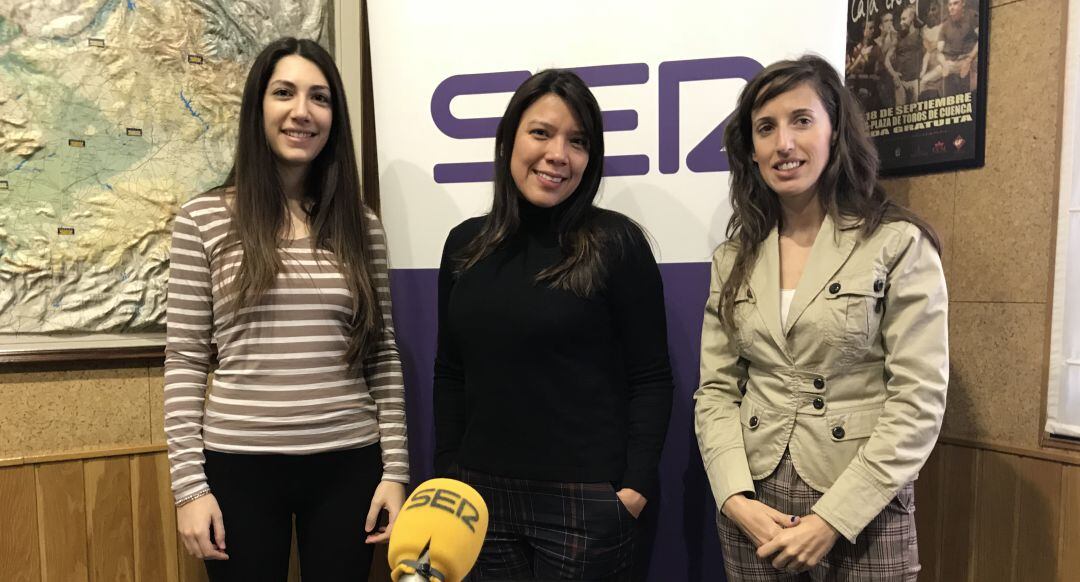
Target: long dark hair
[332,198]
[847,189]
[581,238]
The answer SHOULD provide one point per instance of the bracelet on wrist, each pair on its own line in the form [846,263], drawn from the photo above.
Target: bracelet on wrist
[189,498]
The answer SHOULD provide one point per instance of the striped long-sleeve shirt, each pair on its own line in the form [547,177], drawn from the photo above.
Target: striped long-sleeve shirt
[282,385]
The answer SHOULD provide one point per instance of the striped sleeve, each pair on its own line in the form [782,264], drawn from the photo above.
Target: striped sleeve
[187,355]
[382,367]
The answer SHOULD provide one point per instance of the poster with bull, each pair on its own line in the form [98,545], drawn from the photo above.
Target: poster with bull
[918,68]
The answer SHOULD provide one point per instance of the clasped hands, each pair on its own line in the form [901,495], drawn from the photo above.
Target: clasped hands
[795,543]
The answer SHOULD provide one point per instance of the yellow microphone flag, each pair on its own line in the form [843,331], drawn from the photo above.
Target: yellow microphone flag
[447,518]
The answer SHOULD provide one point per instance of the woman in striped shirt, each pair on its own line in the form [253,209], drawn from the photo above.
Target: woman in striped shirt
[282,271]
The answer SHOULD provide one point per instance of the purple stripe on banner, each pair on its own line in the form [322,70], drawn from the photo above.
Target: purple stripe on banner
[619,120]
[678,540]
[612,75]
[630,165]
[462,172]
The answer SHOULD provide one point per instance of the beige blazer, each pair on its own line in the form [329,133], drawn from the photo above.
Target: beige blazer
[853,384]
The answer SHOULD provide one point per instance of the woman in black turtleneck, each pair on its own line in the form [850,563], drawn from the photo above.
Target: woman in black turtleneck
[552,380]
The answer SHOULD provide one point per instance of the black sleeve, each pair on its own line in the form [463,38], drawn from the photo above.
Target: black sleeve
[637,301]
[449,384]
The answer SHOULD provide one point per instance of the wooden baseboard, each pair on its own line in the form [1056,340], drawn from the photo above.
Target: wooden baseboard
[1056,455]
[86,454]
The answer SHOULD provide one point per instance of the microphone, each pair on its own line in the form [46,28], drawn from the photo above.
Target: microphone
[438,533]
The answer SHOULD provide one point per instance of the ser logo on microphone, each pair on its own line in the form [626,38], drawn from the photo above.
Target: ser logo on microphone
[447,501]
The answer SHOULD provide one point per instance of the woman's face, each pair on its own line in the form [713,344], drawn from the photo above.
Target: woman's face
[297,111]
[550,152]
[792,135]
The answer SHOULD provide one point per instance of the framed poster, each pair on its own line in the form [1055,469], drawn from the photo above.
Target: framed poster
[918,68]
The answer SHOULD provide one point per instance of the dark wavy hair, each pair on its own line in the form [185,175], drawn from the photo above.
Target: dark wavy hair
[848,189]
[332,198]
[582,238]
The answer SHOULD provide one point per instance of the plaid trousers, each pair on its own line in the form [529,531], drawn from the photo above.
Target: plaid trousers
[885,551]
[543,530]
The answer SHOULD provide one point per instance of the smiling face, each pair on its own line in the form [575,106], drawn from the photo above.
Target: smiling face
[550,152]
[297,111]
[792,136]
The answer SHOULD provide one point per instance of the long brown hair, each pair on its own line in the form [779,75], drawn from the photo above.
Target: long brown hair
[332,199]
[848,188]
[585,233]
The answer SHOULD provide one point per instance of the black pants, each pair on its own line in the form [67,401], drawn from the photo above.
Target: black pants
[542,530]
[329,493]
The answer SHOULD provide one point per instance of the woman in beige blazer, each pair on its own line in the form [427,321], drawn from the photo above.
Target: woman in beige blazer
[824,358]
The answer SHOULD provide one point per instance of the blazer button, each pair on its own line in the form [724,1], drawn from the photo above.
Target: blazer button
[819,403]
[879,285]
[838,432]
[834,288]
[819,383]
[753,422]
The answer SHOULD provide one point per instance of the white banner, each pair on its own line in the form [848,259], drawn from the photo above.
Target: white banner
[1063,392]
[667,75]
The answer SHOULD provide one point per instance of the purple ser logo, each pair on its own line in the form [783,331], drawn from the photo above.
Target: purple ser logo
[706,156]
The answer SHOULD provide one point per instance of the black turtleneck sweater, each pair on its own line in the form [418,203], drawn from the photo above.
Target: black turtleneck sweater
[537,383]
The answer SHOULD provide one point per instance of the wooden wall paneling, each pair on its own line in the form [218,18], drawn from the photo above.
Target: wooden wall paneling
[61,508]
[108,519]
[19,558]
[996,517]
[1039,525]
[191,569]
[154,519]
[1069,543]
[957,517]
[928,516]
